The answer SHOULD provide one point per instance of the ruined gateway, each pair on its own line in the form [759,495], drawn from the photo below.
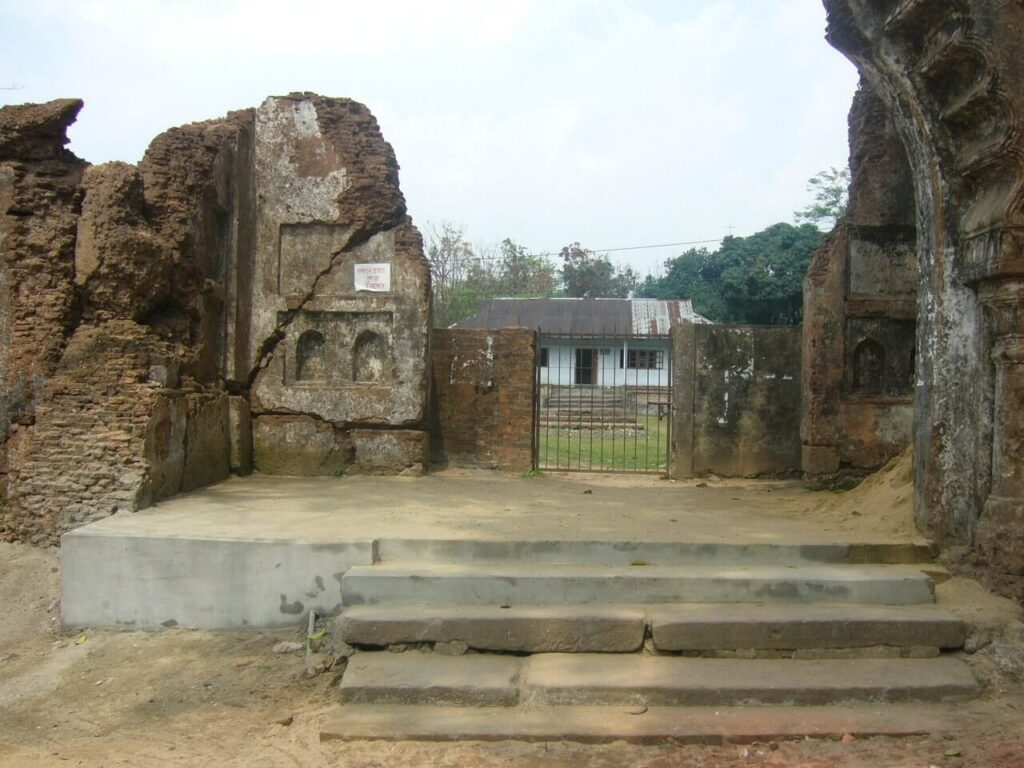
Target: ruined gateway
[166,324]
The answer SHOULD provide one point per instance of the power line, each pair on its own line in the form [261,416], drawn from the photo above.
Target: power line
[473,256]
[637,247]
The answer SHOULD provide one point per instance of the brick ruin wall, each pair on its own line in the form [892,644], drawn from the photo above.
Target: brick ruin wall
[860,310]
[103,315]
[483,398]
[144,341]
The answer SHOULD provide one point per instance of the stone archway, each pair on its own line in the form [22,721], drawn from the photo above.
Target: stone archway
[952,75]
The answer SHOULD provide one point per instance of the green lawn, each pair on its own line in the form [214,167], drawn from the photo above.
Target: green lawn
[610,449]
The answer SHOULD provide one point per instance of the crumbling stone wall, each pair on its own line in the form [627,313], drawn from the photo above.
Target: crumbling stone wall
[860,312]
[483,392]
[145,309]
[735,400]
[340,370]
[952,74]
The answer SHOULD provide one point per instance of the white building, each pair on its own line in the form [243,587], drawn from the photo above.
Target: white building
[594,342]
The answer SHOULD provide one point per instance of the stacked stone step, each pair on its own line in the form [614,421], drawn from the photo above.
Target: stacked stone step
[562,626]
[584,407]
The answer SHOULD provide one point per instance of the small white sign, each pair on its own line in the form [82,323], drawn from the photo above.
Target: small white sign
[373,277]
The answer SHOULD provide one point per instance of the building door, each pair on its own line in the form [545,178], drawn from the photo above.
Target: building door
[586,366]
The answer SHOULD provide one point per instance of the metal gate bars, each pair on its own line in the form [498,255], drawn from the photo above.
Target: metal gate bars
[603,404]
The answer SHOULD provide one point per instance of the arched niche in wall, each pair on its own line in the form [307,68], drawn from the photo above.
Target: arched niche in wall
[869,368]
[371,358]
[310,364]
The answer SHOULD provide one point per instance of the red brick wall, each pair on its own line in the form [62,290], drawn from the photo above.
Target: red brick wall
[483,397]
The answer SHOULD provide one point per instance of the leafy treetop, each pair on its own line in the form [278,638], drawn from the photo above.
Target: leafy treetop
[756,279]
[585,275]
[831,194]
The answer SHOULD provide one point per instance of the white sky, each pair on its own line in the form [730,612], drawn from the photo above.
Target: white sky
[611,122]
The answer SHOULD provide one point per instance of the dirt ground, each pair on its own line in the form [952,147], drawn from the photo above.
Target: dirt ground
[480,504]
[87,697]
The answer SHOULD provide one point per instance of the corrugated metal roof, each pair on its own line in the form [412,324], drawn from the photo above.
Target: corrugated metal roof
[616,317]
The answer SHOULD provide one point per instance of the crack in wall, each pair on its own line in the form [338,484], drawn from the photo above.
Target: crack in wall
[269,345]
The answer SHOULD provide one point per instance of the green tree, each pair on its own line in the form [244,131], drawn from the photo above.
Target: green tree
[585,275]
[756,279]
[462,273]
[831,194]
[692,275]
[459,276]
[522,275]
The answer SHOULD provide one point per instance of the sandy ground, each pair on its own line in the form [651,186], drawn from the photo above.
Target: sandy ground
[463,504]
[190,698]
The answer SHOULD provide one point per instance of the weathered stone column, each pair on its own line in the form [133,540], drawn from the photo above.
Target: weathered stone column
[1000,532]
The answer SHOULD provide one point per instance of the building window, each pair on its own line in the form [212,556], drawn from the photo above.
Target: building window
[543,357]
[645,359]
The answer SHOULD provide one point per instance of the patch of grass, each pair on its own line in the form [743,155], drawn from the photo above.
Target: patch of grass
[532,473]
[612,449]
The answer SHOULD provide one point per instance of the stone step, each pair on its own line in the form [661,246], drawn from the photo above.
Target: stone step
[697,627]
[585,405]
[418,677]
[565,678]
[691,725]
[649,552]
[525,584]
[521,629]
[597,422]
[812,629]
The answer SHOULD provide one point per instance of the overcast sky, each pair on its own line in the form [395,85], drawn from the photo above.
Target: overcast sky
[612,122]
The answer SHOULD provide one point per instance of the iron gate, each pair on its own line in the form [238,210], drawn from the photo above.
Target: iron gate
[603,403]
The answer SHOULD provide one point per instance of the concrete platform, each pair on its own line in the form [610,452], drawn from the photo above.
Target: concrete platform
[491,506]
[692,725]
[262,551]
[630,551]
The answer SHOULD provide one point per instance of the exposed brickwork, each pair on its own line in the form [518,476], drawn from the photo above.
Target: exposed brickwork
[122,267]
[39,204]
[114,307]
[83,460]
[197,191]
[483,397]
